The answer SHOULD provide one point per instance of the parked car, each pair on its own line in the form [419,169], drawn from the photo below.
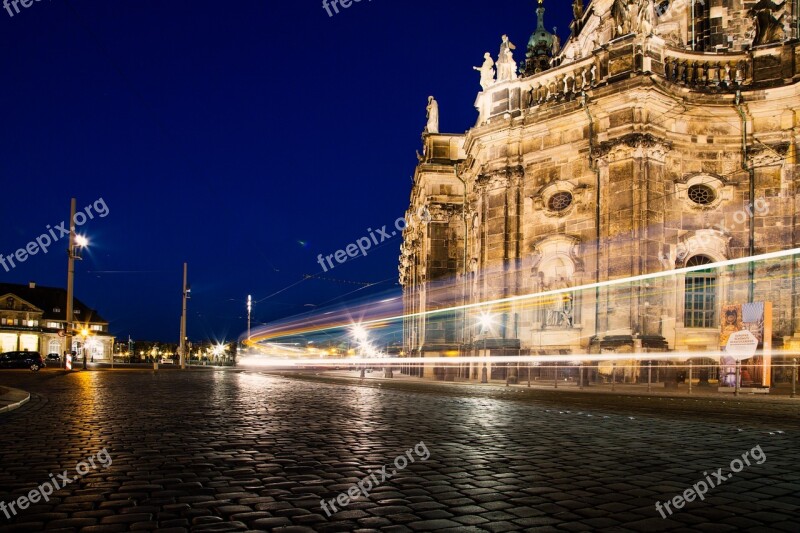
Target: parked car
[32,360]
[54,357]
[167,361]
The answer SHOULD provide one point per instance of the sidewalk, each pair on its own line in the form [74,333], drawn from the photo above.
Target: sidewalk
[11,399]
[619,389]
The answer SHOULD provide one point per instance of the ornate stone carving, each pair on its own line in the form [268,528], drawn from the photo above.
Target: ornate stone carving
[632,142]
[560,311]
[764,156]
[657,152]
[499,178]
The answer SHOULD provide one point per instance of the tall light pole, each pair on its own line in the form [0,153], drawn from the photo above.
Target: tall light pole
[76,242]
[70,278]
[249,309]
[186,292]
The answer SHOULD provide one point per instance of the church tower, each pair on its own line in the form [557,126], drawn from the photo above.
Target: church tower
[540,46]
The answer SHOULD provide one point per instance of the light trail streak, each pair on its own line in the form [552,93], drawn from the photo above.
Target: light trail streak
[573,359]
[284,330]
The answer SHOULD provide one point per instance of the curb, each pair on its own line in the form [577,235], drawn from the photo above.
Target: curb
[16,398]
[572,388]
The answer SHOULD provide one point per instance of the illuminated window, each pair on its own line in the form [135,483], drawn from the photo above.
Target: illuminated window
[54,346]
[29,342]
[700,295]
[8,342]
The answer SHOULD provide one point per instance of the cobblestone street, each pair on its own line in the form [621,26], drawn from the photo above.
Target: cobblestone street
[237,451]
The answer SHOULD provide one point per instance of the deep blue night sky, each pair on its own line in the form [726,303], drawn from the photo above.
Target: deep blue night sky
[243,137]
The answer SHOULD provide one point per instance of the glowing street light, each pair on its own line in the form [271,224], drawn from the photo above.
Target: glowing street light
[360,333]
[486,320]
[362,337]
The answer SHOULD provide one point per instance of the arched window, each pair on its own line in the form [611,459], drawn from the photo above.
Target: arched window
[54,346]
[700,295]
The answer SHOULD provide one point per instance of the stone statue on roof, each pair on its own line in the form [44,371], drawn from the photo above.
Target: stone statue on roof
[506,66]
[487,71]
[621,17]
[433,116]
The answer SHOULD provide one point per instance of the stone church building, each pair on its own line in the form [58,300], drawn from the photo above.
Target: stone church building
[661,135]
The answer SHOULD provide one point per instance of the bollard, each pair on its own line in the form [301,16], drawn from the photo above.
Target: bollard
[529,375]
[155,365]
[555,377]
[614,376]
[794,378]
[736,385]
[580,376]
[690,376]
[649,374]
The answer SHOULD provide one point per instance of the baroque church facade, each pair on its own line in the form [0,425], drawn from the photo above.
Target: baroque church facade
[662,135]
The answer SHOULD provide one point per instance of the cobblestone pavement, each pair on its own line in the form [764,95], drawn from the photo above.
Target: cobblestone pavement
[237,451]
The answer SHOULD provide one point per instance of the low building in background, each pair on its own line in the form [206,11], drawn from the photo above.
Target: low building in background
[34,318]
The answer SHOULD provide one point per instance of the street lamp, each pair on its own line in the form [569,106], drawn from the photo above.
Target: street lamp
[186,295]
[362,338]
[249,309]
[76,243]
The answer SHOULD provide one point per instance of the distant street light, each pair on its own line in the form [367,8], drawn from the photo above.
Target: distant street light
[186,295]
[249,309]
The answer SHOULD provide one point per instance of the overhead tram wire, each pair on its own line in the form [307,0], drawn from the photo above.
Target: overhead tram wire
[682,106]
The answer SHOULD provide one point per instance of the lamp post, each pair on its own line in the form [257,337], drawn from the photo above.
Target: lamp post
[186,295]
[76,242]
[249,309]
[362,338]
